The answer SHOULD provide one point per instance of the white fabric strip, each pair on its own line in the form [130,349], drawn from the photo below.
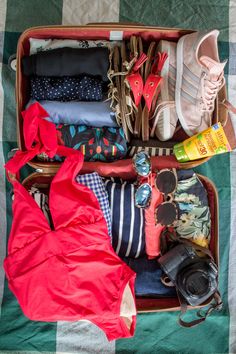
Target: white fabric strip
[112,199]
[154,152]
[82,12]
[3,9]
[140,234]
[82,337]
[122,192]
[131,233]
[2,25]
[132,151]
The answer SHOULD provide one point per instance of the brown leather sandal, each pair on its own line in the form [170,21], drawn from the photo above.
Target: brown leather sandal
[115,91]
[126,98]
[147,70]
[138,115]
[134,80]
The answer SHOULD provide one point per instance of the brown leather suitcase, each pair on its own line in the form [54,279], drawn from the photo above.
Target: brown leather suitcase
[123,168]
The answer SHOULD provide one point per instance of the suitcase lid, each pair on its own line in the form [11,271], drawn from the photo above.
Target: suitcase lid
[97,31]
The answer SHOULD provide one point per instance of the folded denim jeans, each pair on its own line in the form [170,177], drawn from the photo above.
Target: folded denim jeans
[148,278]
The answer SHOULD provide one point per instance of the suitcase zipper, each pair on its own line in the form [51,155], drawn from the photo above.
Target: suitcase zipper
[12,152]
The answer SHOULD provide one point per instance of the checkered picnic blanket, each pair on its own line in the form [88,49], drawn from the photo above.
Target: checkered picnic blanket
[156,332]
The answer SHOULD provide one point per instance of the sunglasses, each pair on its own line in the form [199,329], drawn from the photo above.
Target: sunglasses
[165,182]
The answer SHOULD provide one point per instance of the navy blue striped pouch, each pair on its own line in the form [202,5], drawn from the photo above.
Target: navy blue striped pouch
[128,237]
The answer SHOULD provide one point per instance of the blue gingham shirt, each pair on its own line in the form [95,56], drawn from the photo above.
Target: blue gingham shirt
[95,183]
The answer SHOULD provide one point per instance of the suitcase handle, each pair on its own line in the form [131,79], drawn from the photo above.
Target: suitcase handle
[115,24]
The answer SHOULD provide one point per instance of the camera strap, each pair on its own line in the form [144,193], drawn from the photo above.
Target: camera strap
[167,235]
[201,314]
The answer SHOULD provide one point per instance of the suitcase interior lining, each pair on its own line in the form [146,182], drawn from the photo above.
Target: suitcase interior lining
[144,304]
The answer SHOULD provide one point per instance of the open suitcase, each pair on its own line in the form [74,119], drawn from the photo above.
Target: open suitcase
[123,168]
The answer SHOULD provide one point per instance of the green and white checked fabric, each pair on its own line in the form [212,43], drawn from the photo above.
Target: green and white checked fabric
[156,332]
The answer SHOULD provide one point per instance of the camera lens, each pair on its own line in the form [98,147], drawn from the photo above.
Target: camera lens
[197,283]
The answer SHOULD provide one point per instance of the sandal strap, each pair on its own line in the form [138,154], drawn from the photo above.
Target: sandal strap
[135,79]
[150,88]
[154,80]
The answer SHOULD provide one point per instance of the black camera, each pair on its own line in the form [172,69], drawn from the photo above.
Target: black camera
[195,277]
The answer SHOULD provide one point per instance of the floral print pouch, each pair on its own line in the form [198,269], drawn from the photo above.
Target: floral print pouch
[97,144]
[194,221]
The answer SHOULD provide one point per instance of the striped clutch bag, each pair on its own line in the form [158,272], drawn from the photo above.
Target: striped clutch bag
[128,234]
[153,147]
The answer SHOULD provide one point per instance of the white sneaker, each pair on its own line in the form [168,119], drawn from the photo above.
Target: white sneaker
[199,77]
[165,117]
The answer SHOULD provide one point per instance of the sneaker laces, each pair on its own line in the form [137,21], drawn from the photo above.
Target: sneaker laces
[209,90]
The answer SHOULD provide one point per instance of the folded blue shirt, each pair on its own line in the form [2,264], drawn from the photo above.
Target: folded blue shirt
[93,114]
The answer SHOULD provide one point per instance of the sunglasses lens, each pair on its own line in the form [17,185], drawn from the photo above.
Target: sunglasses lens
[166,214]
[166,182]
[142,163]
[143,195]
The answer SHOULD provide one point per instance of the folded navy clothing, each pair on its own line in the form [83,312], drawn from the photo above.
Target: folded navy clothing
[68,62]
[148,279]
[66,88]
